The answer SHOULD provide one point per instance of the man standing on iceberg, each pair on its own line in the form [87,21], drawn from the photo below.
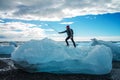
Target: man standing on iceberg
[70,33]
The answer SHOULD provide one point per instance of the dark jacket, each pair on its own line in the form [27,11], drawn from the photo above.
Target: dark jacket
[68,31]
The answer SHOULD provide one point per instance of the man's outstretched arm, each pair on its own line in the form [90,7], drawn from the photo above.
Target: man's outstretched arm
[63,31]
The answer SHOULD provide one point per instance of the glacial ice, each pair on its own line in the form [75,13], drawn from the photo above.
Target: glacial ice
[8,49]
[114,47]
[50,56]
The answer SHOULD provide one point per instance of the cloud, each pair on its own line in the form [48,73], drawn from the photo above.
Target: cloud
[90,17]
[1,21]
[55,10]
[66,23]
[49,30]
[1,36]
[20,30]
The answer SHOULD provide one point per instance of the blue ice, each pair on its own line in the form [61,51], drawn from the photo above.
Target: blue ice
[50,56]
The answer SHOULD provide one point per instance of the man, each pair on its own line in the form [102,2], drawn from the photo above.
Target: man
[69,32]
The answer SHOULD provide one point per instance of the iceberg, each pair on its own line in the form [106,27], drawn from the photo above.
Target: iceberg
[50,56]
[8,49]
[114,47]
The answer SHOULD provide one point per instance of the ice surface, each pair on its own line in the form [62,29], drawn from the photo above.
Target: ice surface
[8,49]
[118,43]
[49,56]
[13,43]
[114,47]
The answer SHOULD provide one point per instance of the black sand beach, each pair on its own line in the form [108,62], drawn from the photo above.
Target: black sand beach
[16,74]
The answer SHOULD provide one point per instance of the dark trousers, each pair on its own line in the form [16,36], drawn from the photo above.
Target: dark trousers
[69,37]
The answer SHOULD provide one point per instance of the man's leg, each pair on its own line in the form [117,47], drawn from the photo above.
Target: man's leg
[67,41]
[73,41]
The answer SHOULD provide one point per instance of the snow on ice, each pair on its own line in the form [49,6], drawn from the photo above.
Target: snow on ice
[50,56]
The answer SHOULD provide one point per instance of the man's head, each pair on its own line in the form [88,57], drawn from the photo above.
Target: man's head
[67,27]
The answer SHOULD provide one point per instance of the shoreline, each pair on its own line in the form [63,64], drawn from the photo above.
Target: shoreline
[16,74]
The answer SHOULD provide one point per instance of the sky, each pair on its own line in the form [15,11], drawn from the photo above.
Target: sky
[22,20]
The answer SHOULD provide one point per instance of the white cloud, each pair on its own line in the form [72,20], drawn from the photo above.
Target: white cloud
[49,30]
[20,30]
[66,23]
[90,17]
[55,10]
[1,21]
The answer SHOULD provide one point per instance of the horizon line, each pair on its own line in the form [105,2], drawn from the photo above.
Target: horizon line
[105,38]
